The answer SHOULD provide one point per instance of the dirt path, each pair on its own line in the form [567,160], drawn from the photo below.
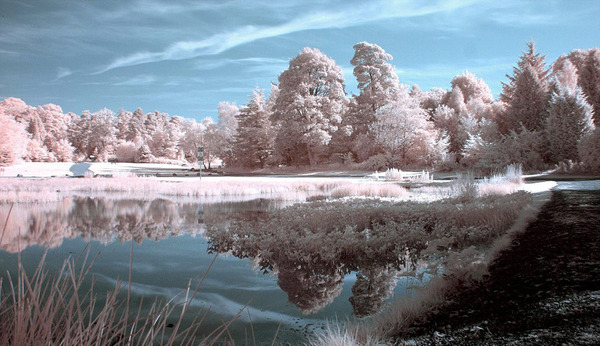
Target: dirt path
[544,289]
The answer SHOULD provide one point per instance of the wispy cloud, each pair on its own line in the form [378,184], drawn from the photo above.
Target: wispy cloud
[138,80]
[347,17]
[63,72]
[255,62]
[8,52]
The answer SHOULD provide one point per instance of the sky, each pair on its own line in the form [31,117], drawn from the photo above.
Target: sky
[184,57]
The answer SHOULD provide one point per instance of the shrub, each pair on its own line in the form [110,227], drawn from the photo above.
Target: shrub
[126,152]
[589,150]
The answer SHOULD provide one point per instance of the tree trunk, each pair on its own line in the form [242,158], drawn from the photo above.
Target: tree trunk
[311,159]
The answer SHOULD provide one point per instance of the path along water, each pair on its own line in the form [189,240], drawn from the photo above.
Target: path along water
[544,289]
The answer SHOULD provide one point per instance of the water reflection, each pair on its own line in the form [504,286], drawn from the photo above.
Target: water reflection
[310,291]
[106,220]
[310,267]
[372,287]
[311,279]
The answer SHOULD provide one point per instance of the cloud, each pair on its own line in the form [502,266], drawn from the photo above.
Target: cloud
[63,72]
[3,51]
[347,17]
[138,80]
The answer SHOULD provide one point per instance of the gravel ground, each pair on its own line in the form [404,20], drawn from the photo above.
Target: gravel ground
[543,290]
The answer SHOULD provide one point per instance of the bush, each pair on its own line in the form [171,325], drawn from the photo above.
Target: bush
[589,150]
[378,162]
[126,152]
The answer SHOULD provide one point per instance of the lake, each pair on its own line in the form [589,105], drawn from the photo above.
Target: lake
[169,243]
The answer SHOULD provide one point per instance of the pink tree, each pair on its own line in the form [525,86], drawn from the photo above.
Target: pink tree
[56,124]
[309,107]
[379,86]
[526,94]
[254,140]
[405,134]
[228,125]
[14,140]
[589,80]
[192,138]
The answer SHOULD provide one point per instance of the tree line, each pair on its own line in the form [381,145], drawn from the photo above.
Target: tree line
[545,116]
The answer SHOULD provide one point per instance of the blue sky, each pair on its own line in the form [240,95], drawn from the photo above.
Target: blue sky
[184,57]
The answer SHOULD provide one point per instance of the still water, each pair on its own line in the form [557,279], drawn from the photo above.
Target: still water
[169,243]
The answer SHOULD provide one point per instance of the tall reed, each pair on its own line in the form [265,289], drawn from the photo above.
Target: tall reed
[55,309]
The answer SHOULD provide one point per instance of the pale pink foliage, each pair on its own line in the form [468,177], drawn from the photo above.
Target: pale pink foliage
[565,74]
[379,86]
[13,140]
[227,127]
[403,131]
[254,143]
[472,87]
[309,106]
[192,139]
[589,80]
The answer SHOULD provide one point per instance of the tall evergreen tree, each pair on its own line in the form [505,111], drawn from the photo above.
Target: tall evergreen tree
[526,94]
[570,119]
[589,80]
[254,140]
[378,85]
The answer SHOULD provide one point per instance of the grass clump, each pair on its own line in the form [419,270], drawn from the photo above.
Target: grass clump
[368,189]
[45,309]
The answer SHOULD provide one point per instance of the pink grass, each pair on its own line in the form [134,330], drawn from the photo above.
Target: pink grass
[45,308]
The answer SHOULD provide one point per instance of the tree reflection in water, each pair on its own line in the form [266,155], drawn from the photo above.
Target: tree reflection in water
[312,246]
[106,220]
[101,219]
[372,287]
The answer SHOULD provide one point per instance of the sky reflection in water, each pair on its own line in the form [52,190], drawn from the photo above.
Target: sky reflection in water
[170,248]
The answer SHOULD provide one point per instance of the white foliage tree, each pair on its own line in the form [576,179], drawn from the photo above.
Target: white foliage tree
[14,140]
[378,85]
[193,137]
[309,107]
[211,141]
[228,125]
[565,73]
[102,135]
[405,134]
[55,124]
